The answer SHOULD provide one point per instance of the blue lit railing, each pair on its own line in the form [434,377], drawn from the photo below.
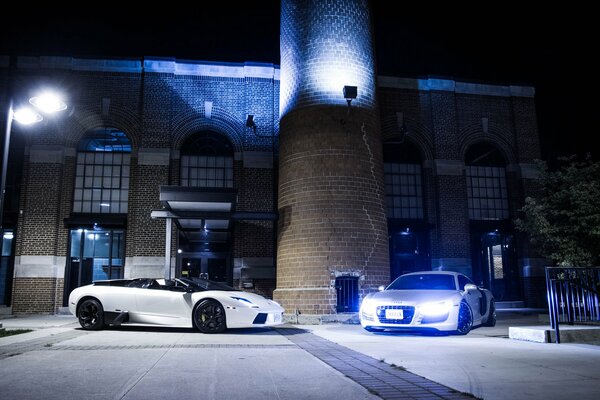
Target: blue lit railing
[573,296]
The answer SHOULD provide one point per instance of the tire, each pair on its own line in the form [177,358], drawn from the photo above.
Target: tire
[465,319]
[91,315]
[491,320]
[209,317]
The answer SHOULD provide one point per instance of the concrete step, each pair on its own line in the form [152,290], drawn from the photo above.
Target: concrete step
[63,311]
[545,334]
[4,310]
[503,305]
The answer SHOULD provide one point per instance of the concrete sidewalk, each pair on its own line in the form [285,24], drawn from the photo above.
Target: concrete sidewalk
[485,362]
[141,362]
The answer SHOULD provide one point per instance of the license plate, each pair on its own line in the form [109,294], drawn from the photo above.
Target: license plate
[394,314]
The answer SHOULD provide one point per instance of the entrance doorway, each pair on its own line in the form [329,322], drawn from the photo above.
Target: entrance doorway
[206,265]
[95,254]
[495,264]
[347,293]
[6,265]
[408,251]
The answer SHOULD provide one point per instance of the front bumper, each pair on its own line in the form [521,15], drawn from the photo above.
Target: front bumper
[247,317]
[413,319]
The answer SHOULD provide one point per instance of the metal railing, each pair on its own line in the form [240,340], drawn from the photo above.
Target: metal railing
[573,296]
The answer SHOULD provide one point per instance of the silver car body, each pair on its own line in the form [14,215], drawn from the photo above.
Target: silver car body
[422,309]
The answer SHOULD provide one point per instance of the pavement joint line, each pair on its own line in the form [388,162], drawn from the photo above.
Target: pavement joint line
[386,381]
[45,342]
[173,346]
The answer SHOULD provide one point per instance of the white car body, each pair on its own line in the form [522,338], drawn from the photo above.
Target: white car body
[171,303]
[428,308]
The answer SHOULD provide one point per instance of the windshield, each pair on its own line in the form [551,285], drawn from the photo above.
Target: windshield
[423,282]
[205,284]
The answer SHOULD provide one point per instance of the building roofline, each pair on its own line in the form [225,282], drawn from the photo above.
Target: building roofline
[449,85]
[149,64]
[248,70]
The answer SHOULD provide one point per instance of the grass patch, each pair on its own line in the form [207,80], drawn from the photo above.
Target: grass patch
[11,332]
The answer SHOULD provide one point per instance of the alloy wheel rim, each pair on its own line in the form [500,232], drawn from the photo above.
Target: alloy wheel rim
[89,314]
[464,319]
[210,317]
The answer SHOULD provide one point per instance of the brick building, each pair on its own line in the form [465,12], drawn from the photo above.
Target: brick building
[158,157]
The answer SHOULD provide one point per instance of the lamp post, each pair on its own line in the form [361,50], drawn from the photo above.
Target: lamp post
[47,103]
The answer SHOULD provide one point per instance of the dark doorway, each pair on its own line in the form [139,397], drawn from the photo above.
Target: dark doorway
[495,264]
[95,254]
[7,247]
[408,249]
[347,293]
[206,265]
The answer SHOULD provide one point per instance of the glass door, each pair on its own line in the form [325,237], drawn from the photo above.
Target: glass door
[6,265]
[95,254]
[206,265]
[497,265]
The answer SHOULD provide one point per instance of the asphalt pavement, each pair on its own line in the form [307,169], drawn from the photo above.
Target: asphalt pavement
[58,360]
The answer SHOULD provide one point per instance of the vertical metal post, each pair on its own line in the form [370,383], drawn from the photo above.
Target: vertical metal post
[168,248]
[555,307]
[550,297]
[7,129]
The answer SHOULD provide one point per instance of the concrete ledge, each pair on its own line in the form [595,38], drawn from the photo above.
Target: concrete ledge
[503,305]
[545,334]
[321,319]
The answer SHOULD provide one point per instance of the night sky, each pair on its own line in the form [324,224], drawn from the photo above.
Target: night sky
[506,45]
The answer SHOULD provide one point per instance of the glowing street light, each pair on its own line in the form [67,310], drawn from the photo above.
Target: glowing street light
[47,103]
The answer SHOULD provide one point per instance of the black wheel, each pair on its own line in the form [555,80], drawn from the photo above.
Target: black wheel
[491,320]
[465,319]
[91,315]
[209,317]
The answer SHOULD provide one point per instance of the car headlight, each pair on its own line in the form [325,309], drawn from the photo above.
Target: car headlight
[367,309]
[436,308]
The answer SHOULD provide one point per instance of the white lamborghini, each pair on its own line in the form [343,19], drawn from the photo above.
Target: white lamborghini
[434,301]
[210,307]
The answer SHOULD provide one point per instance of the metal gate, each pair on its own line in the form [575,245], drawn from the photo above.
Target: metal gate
[347,293]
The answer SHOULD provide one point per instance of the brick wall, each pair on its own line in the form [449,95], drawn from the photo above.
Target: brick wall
[36,295]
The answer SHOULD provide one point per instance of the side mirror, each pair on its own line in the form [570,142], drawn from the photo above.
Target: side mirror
[469,287]
[381,288]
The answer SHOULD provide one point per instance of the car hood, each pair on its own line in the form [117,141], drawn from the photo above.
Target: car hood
[411,297]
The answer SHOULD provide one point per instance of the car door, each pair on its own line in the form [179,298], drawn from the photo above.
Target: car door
[164,306]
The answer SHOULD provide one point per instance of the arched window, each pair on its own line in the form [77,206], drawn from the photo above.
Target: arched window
[207,161]
[102,172]
[403,181]
[486,183]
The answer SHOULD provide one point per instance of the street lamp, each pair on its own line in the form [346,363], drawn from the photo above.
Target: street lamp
[47,103]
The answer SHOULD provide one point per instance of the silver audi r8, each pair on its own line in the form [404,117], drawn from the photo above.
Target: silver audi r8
[210,307]
[434,301]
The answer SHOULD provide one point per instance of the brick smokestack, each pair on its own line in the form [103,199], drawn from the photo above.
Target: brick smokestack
[331,200]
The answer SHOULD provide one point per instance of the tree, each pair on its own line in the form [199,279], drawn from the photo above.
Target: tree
[564,221]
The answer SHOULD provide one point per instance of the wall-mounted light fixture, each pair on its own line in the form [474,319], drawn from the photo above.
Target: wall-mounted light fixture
[350,93]
[250,122]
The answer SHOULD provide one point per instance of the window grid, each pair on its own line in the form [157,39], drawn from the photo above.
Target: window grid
[206,171]
[487,195]
[403,191]
[101,183]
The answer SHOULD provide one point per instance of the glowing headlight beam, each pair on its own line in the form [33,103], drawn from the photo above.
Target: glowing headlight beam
[435,309]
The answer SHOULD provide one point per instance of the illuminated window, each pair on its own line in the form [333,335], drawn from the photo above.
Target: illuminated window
[207,161]
[486,183]
[102,172]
